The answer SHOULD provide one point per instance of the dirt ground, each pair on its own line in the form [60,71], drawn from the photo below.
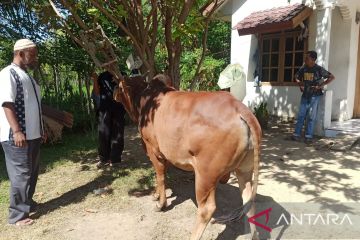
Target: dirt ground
[291,172]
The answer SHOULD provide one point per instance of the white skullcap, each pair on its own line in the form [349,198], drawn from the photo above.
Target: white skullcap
[23,44]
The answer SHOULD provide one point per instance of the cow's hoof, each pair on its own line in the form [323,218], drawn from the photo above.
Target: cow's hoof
[159,208]
[155,197]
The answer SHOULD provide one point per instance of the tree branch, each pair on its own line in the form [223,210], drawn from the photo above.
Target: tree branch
[154,27]
[204,44]
[185,11]
[74,14]
[65,26]
[135,19]
[125,29]
[148,22]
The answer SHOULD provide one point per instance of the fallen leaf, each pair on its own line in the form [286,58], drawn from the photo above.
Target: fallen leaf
[91,210]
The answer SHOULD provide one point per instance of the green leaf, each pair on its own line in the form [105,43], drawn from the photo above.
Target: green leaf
[120,11]
[93,11]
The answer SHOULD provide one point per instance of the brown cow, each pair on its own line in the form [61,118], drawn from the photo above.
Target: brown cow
[210,133]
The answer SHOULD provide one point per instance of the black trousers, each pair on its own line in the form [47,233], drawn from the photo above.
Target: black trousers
[22,164]
[111,133]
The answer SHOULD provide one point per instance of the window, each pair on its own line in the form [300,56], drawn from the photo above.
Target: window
[270,59]
[282,54]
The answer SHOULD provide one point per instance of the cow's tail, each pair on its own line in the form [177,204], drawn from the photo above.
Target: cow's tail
[256,136]
[255,132]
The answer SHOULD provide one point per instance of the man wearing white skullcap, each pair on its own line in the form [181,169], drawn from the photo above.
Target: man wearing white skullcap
[21,129]
[24,44]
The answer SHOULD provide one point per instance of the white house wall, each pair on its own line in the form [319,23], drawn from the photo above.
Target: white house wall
[353,58]
[339,56]
[322,36]
[339,65]
[282,101]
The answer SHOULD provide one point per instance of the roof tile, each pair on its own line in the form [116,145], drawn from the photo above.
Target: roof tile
[269,16]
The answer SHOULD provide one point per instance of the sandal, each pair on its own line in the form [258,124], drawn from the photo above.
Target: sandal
[24,222]
[101,164]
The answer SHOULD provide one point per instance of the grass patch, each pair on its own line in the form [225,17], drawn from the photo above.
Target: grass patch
[68,177]
[73,148]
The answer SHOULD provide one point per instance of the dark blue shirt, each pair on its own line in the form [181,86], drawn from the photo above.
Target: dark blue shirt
[312,76]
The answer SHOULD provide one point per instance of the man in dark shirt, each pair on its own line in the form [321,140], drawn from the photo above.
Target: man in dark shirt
[111,121]
[311,79]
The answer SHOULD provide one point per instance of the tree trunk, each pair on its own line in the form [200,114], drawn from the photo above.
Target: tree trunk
[152,71]
[174,54]
[80,91]
[174,72]
[56,81]
[41,74]
[88,94]
[202,58]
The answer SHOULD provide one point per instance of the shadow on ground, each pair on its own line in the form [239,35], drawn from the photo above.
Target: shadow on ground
[75,195]
[280,158]
[133,158]
[318,168]
[227,199]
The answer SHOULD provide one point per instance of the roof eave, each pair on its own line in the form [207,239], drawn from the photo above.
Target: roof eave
[279,26]
[266,28]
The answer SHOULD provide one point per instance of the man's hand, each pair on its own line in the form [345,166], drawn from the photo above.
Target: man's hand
[301,84]
[327,81]
[19,139]
[317,87]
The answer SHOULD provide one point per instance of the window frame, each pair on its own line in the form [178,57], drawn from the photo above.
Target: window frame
[281,36]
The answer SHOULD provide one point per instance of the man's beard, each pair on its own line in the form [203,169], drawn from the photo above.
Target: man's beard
[31,66]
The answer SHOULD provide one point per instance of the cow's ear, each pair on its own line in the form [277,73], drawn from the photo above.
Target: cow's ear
[165,79]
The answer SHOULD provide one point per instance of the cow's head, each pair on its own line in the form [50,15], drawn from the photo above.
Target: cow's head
[132,89]
[129,92]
